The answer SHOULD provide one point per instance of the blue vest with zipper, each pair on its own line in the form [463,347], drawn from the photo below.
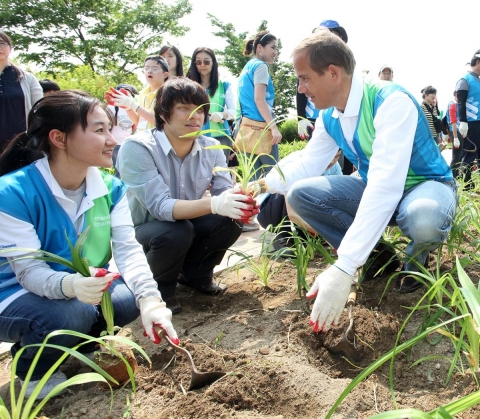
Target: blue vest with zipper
[25,195]
[426,162]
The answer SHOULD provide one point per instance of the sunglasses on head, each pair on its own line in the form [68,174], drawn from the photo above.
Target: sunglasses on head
[204,62]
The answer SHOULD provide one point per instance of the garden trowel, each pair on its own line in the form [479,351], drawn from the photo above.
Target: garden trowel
[199,379]
[347,345]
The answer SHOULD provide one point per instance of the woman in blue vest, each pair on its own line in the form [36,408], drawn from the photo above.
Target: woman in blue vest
[204,70]
[256,93]
[51,187]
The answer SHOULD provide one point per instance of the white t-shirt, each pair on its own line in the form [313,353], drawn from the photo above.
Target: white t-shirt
[124,126]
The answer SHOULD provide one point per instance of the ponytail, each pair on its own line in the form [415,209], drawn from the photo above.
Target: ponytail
[261,38]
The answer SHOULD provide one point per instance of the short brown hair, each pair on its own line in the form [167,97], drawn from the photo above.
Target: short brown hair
[323,49]
[178,90]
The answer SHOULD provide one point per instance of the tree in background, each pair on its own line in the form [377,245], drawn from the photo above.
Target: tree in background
[108,36]
[231,57]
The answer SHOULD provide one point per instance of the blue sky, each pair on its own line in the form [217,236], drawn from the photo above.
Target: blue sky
[426,42]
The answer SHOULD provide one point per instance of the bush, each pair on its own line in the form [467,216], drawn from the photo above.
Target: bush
[289,130]
[83,78]
[287,148]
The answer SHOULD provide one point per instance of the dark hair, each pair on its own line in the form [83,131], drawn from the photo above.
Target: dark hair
[158,59]
[178,56]
[178,90]
[64,110]
[49,85]
[263,38]
[194,74]
[427,91]
[475,58]
[5,38]
[324,48]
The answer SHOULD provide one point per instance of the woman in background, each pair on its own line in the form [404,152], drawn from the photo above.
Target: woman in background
[204,70]
[19,90]
[141,112]
[174,59]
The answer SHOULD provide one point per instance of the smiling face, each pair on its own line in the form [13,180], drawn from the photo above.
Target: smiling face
[184,119]
[94,146]
[268,52]
[154,74]
[204,63]
[321,89]
[386,74]
[171,60]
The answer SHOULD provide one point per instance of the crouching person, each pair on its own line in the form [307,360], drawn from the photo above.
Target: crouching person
[184,233]
[50,187]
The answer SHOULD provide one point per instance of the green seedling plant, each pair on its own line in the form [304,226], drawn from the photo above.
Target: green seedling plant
[263,267]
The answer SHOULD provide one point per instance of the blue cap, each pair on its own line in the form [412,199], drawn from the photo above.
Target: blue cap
[334,26]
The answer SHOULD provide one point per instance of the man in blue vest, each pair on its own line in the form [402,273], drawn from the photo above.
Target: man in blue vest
[468,95]
[402,177]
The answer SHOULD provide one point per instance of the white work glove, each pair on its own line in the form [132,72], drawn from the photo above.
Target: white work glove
[456,143]
[303,126]
[331,287]
[88,289]
[231,204]
[154,312]
[463,129]
[216,117]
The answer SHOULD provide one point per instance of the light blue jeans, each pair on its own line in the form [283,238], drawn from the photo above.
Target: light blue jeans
[270,160]
[29,318]
[424,214]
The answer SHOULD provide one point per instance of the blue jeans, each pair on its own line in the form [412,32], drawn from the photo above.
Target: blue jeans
[30,318]
[424,214]
[270,160]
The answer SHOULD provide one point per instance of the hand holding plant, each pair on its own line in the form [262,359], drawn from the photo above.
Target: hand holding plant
[233,205]
[154,312]
[88,289]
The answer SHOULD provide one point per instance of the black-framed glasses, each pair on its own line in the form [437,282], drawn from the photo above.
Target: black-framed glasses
[204,62]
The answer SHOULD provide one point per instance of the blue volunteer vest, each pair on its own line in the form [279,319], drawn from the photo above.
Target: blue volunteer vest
[310,111]
[25,195]
[246,91]
[447,114]
[217,104]
[426,161]
[473,99]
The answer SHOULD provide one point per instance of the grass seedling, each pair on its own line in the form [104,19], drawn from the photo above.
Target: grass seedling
[264,266]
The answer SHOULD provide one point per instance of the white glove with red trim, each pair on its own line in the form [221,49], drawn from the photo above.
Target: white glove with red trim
[303,126]
[88,289]
[331,287]
[154,312]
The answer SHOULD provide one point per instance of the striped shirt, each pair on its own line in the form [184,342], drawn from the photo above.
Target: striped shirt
[428,113]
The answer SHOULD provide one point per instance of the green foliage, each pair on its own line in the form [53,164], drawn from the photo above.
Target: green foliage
[29,408]
[289,130]
[83,78]
[107,36]
[232,57]
[287,148]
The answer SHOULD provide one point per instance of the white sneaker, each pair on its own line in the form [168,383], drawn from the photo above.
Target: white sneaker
[55,379]
[250,227]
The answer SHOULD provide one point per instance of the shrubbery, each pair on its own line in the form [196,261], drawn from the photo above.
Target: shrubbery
[289,130]
[83,78]
[286,148]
